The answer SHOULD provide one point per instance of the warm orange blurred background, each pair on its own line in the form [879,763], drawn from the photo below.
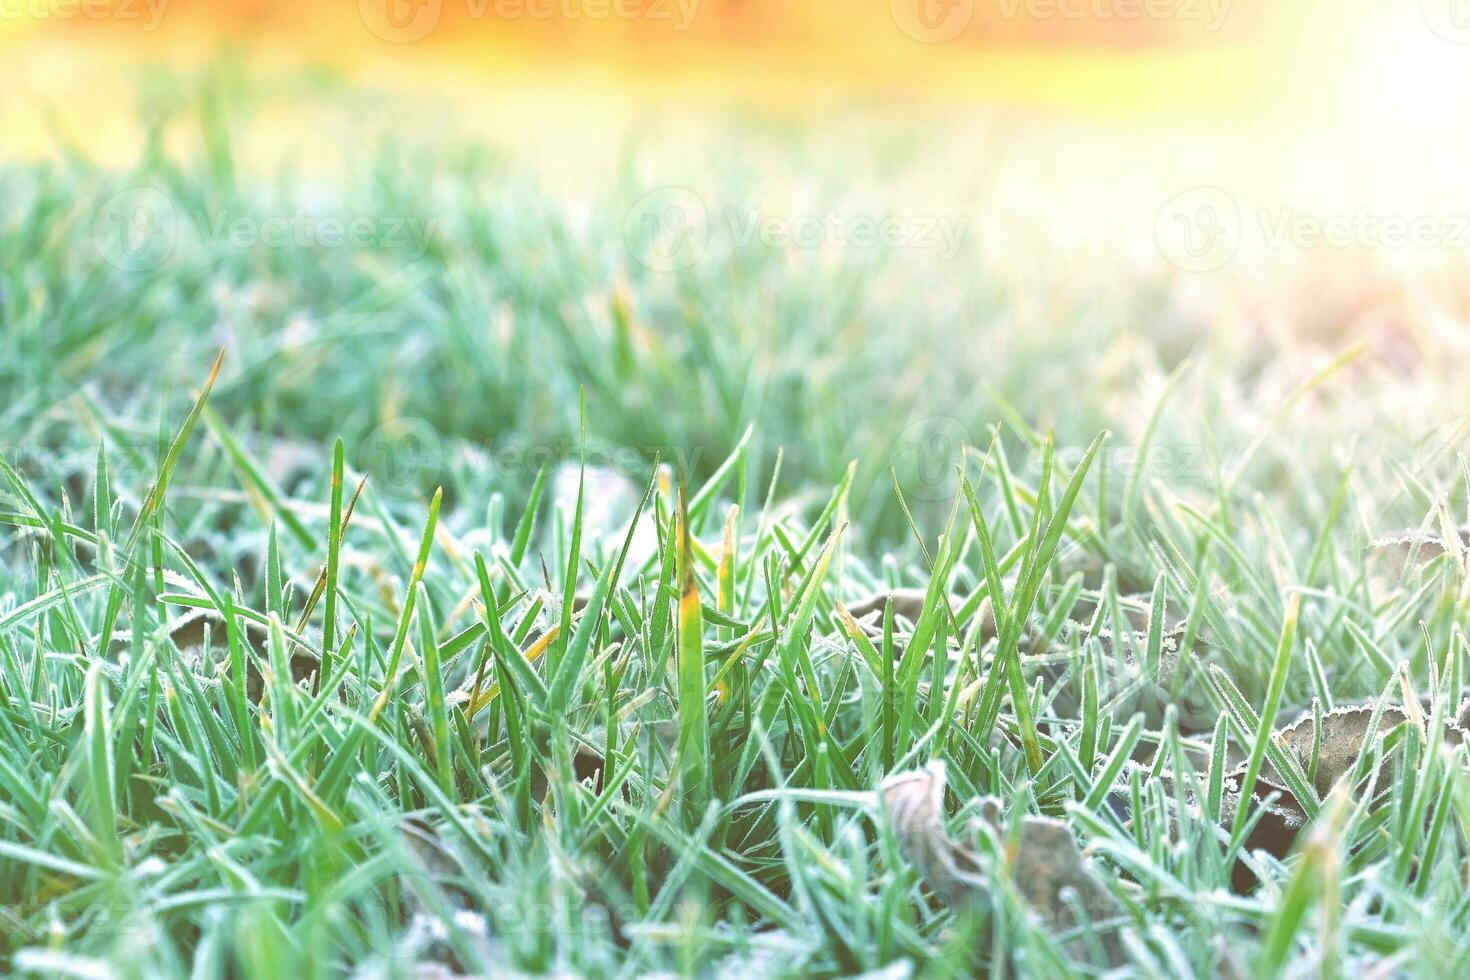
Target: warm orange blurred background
[1100,109]
[1130,59]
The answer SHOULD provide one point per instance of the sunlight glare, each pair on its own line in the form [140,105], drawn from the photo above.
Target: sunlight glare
[1425,80]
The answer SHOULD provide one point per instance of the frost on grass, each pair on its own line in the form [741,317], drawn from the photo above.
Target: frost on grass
[914,802]
[1041,861]
[1331,748]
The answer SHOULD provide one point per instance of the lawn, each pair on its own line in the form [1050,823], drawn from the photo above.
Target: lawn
[433,571]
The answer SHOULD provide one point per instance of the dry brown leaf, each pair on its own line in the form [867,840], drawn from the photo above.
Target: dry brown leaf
[188,632]
[915,804]
[1396,562]
[1045,865]
[1050,871]
[908,603]
[1344,731]
[1397,554]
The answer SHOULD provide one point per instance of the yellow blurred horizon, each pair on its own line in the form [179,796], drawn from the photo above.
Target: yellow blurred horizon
[1324,106]
[1277,68]
[1112,59]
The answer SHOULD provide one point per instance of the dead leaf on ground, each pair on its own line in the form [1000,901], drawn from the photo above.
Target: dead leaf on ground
[1395,558]
[189,632]
[1045,865]
[908,603]
[1343,737]
[914,802]
[1051,873]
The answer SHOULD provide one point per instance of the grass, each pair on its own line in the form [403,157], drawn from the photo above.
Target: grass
[495,711]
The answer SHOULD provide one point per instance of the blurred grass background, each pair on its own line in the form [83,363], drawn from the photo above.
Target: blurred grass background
[431,248]
[507,165]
